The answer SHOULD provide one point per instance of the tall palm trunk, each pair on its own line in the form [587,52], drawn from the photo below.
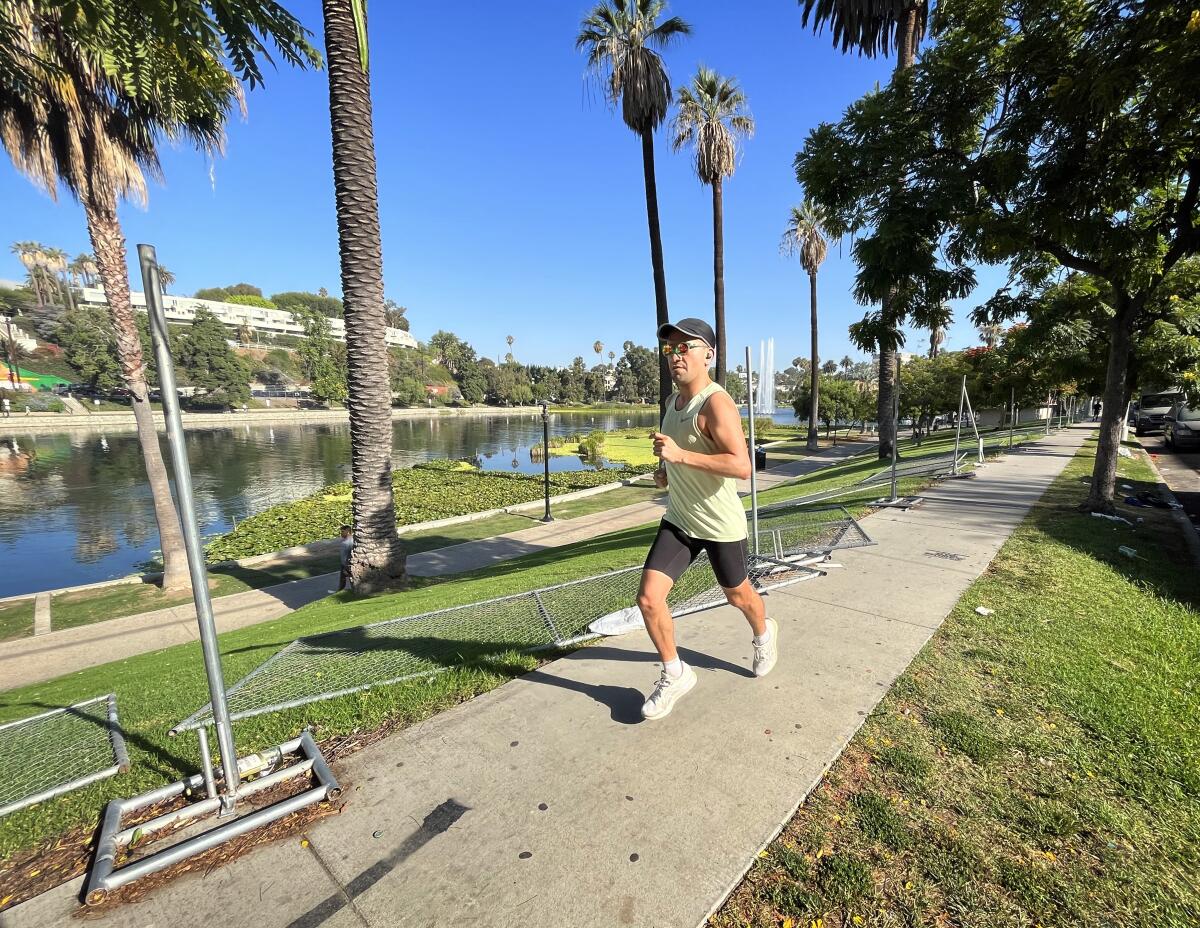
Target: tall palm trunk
[108,242]
[1116,401]
[885,410]
[656,258]
[37,286]
[378,558]
[719,278]
[814,380]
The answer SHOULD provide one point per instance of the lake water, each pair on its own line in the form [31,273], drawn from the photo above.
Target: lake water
[75,508]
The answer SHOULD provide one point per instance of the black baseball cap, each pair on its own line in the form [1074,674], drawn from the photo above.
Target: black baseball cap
[695,328]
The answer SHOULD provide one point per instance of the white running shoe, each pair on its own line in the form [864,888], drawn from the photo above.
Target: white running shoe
[667,693]
[765,655]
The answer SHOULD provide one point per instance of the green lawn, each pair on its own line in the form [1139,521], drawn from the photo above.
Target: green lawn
[1038,766]
[68,610]
[16,619]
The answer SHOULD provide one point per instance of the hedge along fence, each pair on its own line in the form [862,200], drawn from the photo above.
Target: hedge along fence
[426,492]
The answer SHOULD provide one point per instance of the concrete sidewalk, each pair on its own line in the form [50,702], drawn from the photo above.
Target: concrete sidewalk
[30,660]
[548,802]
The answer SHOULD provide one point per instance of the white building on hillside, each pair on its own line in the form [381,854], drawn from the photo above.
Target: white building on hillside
[267,322]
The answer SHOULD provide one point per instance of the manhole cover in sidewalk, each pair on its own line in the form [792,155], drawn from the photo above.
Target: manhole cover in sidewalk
[945,555]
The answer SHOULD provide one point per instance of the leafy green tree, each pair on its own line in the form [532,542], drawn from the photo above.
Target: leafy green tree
[299,300]
[395,315]
[622,40]
[318,360]
[211,364]
[249,299]
[15,301]
[215,294]
[711,115]
[837,399]
[643,363]
[929,388]
[1061,137]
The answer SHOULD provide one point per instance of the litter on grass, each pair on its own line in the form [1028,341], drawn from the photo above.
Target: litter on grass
[1129,552]
[1101,515]
[984,610]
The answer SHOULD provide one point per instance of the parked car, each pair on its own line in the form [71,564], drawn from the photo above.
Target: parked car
[1181,426]
[1152,409]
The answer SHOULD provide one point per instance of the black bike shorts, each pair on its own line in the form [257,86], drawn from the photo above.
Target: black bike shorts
[673,550]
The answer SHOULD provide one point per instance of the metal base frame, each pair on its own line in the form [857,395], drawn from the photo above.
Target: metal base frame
[106,876]
[900,502]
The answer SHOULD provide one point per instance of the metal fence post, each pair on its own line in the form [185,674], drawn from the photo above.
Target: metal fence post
[958,424]
[895,424]
[546,461]
[753,451]
[187,513]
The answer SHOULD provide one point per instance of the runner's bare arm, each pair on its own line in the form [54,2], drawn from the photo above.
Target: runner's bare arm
[723,424]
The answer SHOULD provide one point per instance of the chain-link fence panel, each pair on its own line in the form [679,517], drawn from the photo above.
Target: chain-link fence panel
[356,659]
[792,529]
[55,752]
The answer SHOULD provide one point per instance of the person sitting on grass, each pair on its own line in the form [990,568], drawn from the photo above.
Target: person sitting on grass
[702,450]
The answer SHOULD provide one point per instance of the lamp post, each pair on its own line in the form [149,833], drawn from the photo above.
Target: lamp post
[546,461]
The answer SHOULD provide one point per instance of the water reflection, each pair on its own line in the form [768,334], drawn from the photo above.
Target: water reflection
[74,507]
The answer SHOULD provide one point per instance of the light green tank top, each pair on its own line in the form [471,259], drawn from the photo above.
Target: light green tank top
[702,504]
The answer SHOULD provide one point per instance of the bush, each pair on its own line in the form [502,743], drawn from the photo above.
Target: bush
[761,424]
[592,446]
[249,299]
[431,491]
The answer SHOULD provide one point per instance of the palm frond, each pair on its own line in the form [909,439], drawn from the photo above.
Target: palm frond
[711,115]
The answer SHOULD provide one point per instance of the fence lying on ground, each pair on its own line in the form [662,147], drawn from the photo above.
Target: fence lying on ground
[54,752]
[556,617]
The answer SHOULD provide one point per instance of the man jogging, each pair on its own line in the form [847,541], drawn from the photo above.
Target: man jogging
[703,452]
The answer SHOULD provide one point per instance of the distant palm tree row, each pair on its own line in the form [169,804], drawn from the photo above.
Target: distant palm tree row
[51,273]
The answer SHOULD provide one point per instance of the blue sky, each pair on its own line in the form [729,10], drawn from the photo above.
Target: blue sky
[511,198]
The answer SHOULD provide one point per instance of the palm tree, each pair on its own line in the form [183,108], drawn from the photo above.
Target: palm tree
[873,27]
[829,367]
[847,363]
[876,27]
[937,336]
[598,347]
[806,237]
[509,341]
[712,114]
[165,278]
[77,116]
[27,253]
[84,267]
[612,355]
[621,37]
[378,558]
[991,335]
[55,262]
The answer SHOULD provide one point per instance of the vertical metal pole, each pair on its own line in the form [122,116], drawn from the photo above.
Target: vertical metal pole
[1012,413]
[958,425]
[753,455]
[1049,414]
[206,768]
[187,513]
[546,461]
[895,425]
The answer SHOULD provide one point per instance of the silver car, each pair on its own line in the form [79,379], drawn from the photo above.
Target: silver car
[1181,426]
